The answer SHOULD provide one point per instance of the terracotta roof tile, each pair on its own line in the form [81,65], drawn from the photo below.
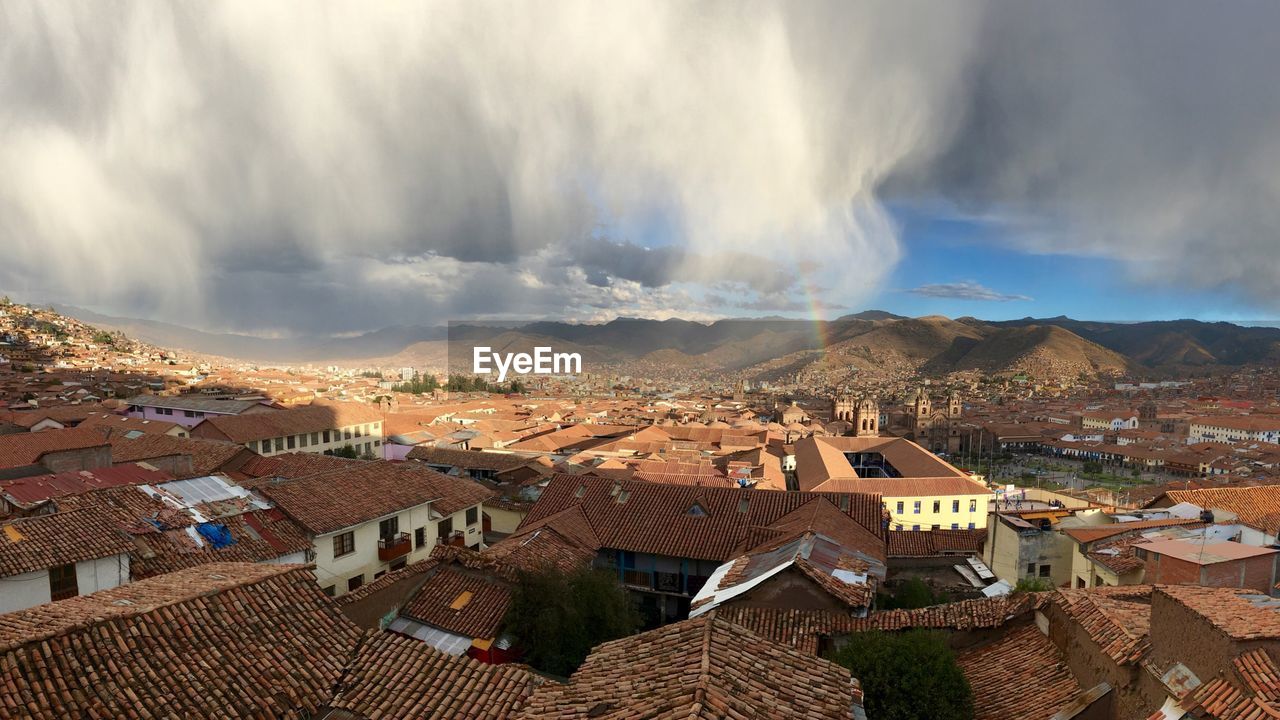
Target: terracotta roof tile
[461,602]
[21,449]
[1021,676]
[1117,619]
[45,541]
[393,677]
[701,668]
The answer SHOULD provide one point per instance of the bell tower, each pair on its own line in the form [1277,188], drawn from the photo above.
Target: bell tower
[866,421]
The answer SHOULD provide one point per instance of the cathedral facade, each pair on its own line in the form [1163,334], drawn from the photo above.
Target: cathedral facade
[935,427]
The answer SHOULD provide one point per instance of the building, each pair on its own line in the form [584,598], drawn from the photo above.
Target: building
[53,451]
[688,668]
[665,541]
[920,491]
[934,427]
[862,414]
[1201,561]
[1235,429]
[58,556]
[188,410]
[316,428]
[369,518]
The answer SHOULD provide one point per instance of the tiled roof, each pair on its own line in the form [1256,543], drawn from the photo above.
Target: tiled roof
[45,541]
[682,521]
[1248,690]
[821,464]
[294,421]
[802,629]
[293,465]
[193,402]
[930,543]
[461,602]
[260,535]
[1241,614]
[22,449]
[207,456]
[228,640]
[420,567]
[701,668]
[29,491]
[1102,532]
[526,552]
[468,459]
[1117,619]
[1257,506]
[111,423]
[336,499]
[393,677]
[1021,676]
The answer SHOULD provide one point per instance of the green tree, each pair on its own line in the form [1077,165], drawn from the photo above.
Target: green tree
[418,385]
[1092,467]
[346,451]
[907,675]
[557,617]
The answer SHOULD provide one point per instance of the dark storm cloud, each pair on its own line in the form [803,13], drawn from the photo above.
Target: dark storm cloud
[328,166]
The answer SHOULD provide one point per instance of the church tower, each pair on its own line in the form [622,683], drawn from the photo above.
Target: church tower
[866,421]
[954,406]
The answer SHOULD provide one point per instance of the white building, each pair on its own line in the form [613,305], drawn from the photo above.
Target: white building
[59,556]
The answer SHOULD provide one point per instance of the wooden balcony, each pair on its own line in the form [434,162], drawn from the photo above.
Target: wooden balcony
[390,548]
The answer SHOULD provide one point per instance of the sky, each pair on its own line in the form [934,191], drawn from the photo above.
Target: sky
[327,167]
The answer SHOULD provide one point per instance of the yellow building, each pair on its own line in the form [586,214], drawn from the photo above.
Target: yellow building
[919,490]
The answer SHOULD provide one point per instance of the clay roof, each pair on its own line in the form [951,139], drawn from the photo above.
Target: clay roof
[821,465]
[1021,676]
[706,523]
[802,629]
[468,459]
[1241,614]
[1247,690]
[337,499]
[701,668]
[294,421]
[460,602]
[113,423]
[397,677]
[33,490]
[222,640]
[207,456]
[931,543]
[45,541]
[21,449]
[1257,506]
[527,552]
[1095,533]
[1117,619]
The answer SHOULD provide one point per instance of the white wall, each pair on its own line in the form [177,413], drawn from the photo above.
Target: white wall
[18,592]
[337,571]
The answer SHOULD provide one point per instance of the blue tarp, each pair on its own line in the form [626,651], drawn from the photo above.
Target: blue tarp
[216,535]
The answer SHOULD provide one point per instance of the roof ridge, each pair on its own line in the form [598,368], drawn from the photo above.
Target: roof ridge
[704,668]
[135,609]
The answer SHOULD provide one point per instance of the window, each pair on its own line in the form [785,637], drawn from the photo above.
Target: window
[252,445]
[419,538]
[389,528]
[935,527]
[302,439]
[445,528]
[279,444]
[955,526]
[399,564]
[292,442]
[62,582]
[326,436]
[379,574]
[955,506]
[973,506]
[188,413]
[915,527]
[346,434]
[330,590]
[1031,569]
[937,506]
[355,582]
[971,526]
[916,508]
[377,443]
[1044,571]
[900,510]
[473,514]
[344,544]
[315,438]
[358,431]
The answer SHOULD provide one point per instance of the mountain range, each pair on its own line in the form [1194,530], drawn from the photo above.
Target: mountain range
[764,347]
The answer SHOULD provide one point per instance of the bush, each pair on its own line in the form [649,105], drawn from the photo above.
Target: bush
[911,594]
[557,617]
[907,675]
[1037,584]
